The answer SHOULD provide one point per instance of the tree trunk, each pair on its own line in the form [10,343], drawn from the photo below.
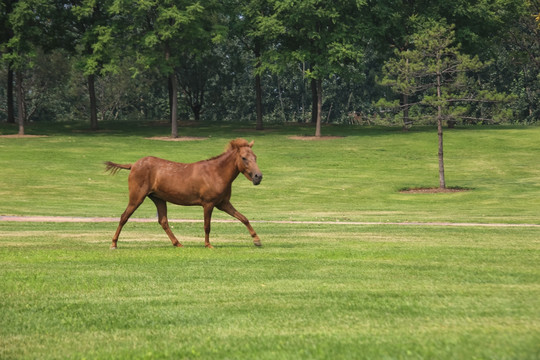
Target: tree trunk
[20,101]
[281,99]
[93,102]
[10,107]
[170,90]
[303,94]
[405,104]
[314,101]
[329,113]
[258,88]
[258,102]
[406,121]
[442,182]
[173,96]
[196,109]
[319,108]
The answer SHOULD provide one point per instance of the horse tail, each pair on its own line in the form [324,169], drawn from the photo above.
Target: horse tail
[113,168]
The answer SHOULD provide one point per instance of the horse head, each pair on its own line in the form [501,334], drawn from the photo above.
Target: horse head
[246,160]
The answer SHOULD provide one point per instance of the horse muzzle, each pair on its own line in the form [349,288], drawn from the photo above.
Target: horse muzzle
[256,178]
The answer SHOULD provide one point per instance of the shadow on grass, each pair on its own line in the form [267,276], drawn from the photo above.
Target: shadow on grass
[162,128]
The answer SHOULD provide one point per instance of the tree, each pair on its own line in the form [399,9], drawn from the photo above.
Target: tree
[200,58]
[436,70]
[251,24]
[31,27]
[163,32]
[6,34]
[193,73]
[20,48]
[518,63]
[324,35]
[480,25]
[96,49]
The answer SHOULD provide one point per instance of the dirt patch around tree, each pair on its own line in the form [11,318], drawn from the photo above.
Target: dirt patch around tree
[17,136]
[435,190]
[180,138]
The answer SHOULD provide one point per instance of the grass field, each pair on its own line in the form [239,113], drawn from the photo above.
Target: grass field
[323,291]
[356,177]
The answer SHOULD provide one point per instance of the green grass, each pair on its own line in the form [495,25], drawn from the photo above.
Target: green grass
[313,291]
[357,177]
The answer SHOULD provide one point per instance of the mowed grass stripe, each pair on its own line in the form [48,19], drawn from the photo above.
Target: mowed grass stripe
[61,219]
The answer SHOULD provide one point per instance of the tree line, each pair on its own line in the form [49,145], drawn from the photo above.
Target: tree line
[358,61]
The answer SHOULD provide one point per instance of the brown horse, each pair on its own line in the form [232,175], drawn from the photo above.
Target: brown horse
[206,183]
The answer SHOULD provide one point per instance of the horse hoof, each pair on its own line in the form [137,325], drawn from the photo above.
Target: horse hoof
[178,245]
[257,243]
[113,247]
[208,246]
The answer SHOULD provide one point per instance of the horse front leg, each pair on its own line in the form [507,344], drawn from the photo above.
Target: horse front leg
[229,209]
[208,209]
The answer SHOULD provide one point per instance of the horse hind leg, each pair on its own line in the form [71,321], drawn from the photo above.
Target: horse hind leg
[135,200]
[123,220]
[161,206]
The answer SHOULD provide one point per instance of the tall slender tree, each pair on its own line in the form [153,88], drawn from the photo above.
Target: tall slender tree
[6,33]
[26,32]
[255,25]
[436,69]
[95,45]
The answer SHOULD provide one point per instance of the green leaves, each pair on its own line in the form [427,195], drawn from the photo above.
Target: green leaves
[435,58]
[26,21]
[323,34]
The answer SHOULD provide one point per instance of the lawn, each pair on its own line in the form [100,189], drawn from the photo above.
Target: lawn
[356,177]
[326,291]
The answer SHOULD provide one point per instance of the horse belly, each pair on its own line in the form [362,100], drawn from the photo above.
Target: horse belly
[176,190]
[177,196]
[181,186]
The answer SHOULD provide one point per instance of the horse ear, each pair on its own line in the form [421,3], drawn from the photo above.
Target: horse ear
[251,143]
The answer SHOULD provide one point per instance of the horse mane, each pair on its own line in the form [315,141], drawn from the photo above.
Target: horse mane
[231,146]
[236,144]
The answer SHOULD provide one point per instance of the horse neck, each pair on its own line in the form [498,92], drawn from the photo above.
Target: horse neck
[226,164]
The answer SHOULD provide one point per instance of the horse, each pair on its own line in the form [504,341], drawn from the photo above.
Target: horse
[205,183]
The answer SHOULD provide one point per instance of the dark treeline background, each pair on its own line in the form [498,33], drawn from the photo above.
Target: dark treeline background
[260,61]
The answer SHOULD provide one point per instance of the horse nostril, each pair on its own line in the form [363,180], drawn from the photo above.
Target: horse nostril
[257,178]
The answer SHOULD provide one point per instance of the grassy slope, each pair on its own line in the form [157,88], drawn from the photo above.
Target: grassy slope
[322,291]
[353,178]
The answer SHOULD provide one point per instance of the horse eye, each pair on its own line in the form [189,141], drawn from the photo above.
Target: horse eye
[243,158]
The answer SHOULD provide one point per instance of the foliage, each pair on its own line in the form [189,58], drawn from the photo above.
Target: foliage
[324,37]
[435,61]
[285,43]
